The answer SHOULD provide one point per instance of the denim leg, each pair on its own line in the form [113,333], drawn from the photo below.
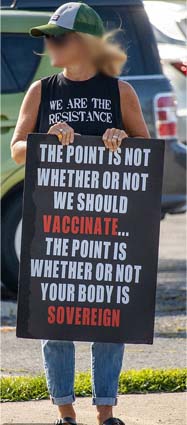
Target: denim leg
[59,366]
[106,362]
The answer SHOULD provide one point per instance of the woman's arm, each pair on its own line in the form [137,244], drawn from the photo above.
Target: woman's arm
[132,115]
[26,122]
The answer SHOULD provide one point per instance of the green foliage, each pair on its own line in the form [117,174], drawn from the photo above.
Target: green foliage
[152,380]
[22,388]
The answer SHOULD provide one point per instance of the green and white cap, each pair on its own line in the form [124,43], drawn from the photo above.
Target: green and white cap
[73,16]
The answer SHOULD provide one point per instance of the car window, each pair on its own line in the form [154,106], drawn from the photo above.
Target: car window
[6,3]
[7,79]
[136,37]
[19,62]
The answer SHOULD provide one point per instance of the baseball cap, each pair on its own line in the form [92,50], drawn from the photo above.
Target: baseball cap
[72,16]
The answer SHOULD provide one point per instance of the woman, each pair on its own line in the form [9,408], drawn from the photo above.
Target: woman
[85,98]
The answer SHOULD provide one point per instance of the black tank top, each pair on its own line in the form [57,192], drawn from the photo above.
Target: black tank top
[90,106]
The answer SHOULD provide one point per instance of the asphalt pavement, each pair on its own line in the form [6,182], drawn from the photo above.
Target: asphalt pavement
[139,409]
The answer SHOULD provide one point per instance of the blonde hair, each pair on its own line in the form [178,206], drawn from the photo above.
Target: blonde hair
[107,55]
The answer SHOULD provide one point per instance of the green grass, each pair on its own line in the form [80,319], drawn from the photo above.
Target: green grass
[24,388]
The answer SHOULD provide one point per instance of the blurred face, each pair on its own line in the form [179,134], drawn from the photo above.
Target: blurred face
[65,50]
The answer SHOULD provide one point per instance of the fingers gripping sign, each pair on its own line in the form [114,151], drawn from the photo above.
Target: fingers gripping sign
[63,131]
[113,137]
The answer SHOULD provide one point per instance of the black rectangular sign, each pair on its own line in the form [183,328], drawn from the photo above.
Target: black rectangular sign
[90,237]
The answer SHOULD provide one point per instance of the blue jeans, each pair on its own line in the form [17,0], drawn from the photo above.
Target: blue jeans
[59,365]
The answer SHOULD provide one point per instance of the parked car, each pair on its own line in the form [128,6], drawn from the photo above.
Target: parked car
[21,66]
[170,29]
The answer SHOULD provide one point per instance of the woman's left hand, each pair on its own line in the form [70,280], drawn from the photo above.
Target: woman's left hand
[113,137]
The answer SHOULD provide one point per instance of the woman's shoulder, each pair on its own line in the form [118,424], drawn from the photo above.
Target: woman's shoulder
[125,87]
[37,84]
[36,87]
[34,90]
[128,95]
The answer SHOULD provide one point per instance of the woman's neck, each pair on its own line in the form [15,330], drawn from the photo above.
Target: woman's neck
[79,72]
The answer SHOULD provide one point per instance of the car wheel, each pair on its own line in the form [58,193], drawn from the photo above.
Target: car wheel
[11,240]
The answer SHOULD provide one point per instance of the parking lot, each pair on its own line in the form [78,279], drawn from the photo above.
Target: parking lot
[23,356]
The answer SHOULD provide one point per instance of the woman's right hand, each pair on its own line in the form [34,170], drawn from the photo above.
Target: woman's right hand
[63,131]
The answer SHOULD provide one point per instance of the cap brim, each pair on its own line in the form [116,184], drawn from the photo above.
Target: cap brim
[50,29]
